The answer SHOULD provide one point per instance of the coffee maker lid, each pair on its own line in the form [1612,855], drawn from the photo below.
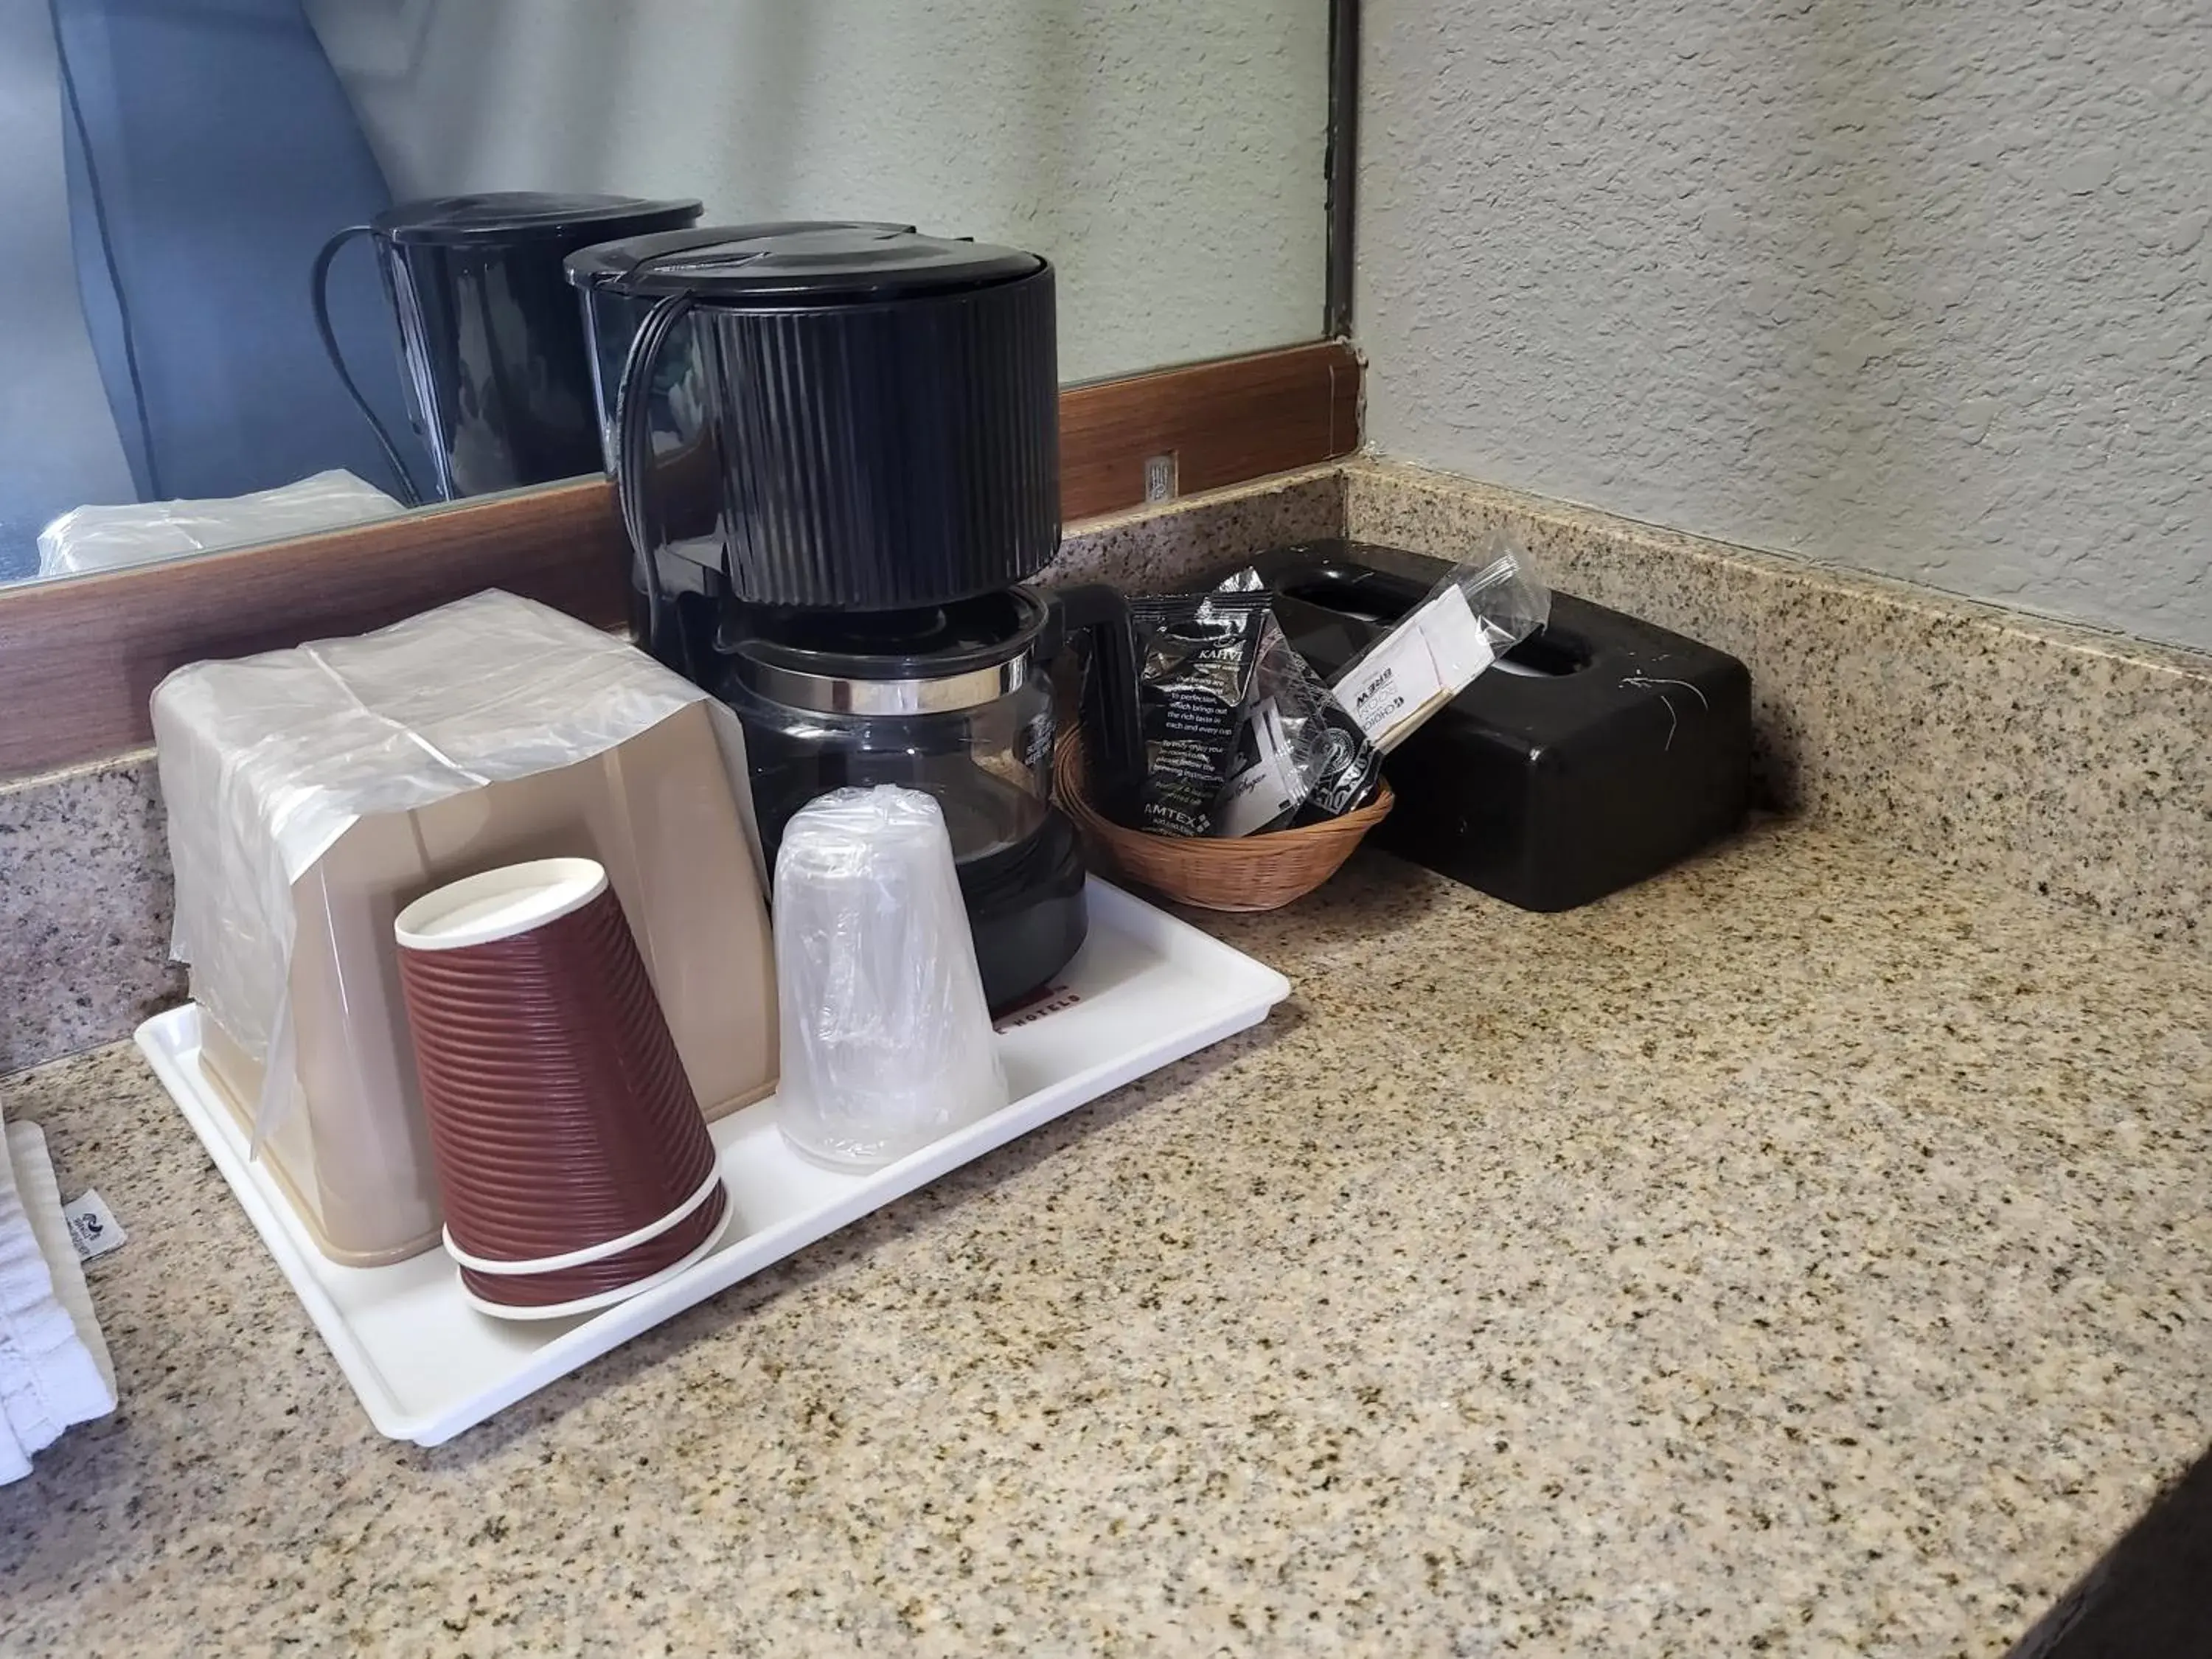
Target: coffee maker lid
[815,264]
[606,265]
[526,216]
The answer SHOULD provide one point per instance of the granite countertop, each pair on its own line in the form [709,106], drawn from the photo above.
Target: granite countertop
[1804,1252]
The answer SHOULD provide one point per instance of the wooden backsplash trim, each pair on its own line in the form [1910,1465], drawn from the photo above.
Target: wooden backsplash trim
[78,658]
[1225,422]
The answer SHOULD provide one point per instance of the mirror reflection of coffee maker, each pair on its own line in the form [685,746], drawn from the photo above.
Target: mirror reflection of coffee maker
[491,351]
[835,449]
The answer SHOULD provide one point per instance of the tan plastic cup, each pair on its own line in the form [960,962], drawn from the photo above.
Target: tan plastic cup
[572,1159]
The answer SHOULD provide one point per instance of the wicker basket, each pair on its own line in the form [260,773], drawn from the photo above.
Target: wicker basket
[1250,872]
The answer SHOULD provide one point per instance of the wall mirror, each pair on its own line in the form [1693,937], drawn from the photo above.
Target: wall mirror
[173,174]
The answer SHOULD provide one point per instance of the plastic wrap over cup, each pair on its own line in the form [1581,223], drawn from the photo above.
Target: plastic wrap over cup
[886,1040]
[312,792]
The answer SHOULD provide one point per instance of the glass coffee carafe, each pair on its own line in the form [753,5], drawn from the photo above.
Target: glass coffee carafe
[956,699]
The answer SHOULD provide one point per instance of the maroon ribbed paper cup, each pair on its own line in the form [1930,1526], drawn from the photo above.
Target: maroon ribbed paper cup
[571,1155]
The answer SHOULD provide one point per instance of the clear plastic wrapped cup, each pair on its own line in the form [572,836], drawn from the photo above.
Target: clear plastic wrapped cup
[887,1041]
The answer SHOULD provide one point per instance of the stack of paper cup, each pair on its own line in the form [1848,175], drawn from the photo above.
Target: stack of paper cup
[573,1163]
[887,1041]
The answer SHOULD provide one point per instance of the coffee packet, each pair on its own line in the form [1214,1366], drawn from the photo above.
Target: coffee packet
[1196,656]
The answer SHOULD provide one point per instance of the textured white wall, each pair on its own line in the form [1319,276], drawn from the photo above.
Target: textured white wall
[1166,156]
[1916,286]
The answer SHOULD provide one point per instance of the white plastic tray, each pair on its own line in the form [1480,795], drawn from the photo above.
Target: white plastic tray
[1145,991]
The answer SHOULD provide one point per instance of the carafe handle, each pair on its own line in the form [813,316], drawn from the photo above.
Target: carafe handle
[1112,737]
[631,461]
[319,290]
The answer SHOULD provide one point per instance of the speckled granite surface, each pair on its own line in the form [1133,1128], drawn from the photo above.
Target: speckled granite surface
[1805,1253]
[85,893]
[2065,761]
[1151,548]
[85,899]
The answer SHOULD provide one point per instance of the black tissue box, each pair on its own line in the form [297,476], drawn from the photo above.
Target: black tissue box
[1595,753]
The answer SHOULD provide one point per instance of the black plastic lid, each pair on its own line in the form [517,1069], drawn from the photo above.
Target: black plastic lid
[605,264]
[528,216]
[818,264]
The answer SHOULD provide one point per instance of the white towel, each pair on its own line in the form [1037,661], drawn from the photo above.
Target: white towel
[54,1366]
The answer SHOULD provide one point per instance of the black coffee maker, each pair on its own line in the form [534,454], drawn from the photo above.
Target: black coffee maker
[499,386]
[835,449]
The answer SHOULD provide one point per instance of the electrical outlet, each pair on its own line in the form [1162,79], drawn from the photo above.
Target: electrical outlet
[1160,477]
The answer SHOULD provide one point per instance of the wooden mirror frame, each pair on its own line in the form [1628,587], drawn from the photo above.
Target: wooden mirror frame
[80,656]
